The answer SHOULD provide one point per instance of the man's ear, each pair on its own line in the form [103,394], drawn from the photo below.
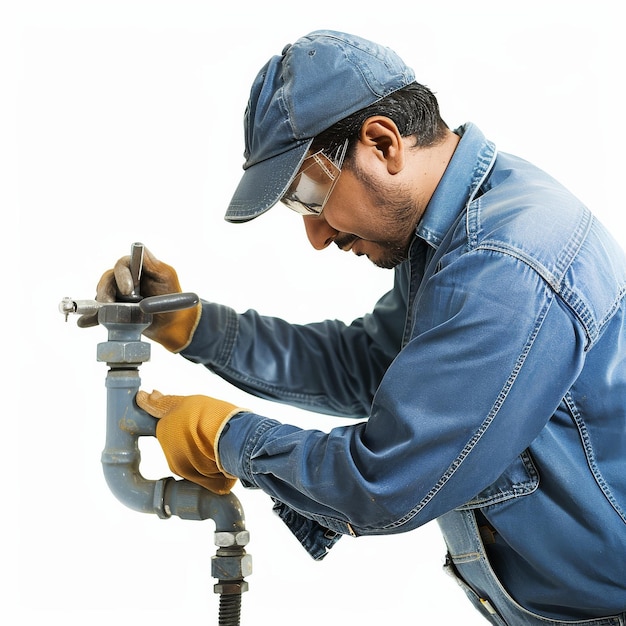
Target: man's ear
[382,136]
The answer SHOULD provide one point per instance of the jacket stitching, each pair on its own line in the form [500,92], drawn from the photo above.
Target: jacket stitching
[484,426]
[589,453]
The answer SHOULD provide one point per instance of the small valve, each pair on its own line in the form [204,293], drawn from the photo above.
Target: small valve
[67,306]
[153,304]
[82,307]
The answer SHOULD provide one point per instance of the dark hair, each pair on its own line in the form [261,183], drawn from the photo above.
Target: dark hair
[414,110]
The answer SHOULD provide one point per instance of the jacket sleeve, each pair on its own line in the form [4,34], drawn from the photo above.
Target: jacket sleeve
[493,352]
[328,367]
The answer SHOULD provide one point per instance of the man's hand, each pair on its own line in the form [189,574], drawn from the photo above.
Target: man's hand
[172,330]
[188,431]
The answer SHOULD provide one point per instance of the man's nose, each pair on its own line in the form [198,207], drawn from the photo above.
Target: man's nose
[319,232]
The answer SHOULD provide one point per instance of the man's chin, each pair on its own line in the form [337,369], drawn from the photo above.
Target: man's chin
[384,257]
[388,259]
[386,265]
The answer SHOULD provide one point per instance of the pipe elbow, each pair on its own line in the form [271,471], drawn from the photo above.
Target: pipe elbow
[126,483]
[126,423]
[190,501]
[168,496]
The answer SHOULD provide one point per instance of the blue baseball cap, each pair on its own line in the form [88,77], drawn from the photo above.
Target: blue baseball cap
[319,80]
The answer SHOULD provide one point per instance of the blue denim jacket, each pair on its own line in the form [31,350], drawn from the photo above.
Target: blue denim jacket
[491,377]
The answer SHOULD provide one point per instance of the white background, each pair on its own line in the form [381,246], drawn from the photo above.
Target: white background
[122,122]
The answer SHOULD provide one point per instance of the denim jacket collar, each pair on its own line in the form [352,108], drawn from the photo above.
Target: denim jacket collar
[470,164]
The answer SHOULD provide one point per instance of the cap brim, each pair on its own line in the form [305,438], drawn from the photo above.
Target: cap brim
[263,184]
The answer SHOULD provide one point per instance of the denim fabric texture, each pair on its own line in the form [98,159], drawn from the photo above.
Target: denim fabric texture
[490,381]
[467,560]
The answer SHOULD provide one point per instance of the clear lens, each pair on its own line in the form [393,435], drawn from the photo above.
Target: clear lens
[311,187]
[309,190]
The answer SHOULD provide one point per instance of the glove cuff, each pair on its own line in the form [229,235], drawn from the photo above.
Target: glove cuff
[191,323]
[174,331]
[220,430]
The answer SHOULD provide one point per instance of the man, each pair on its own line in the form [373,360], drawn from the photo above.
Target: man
[492,375]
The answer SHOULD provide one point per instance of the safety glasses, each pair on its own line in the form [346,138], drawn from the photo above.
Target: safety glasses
[310,189]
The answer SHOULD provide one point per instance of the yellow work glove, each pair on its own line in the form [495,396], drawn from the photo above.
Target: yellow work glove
[172,330]
[188,431]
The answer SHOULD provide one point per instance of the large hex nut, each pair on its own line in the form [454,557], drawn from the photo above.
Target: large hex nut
[123,351]
[122,313]
[231,567]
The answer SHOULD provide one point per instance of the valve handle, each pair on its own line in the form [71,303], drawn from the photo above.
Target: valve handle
[168,302]
[152,304]
[165,303]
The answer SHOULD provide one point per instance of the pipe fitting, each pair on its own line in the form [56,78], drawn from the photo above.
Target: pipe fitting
[123,352]
[231,567]
[228,539]
[231,588]
[123,316]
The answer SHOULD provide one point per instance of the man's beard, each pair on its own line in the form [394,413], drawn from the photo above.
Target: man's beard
[398,214]
[392,253]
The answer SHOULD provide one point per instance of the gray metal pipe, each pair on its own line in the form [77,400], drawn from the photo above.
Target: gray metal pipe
[127,423]
[121,459]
